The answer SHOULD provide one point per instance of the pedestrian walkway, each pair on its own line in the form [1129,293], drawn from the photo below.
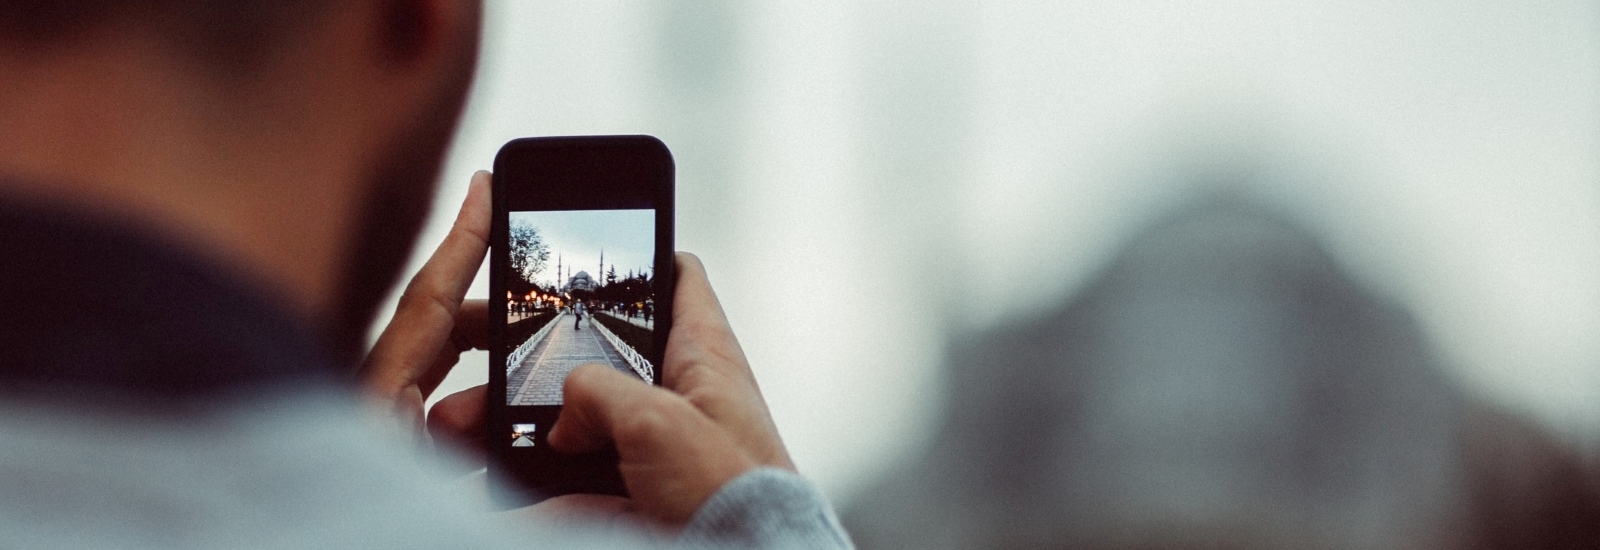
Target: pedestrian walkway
[537,381]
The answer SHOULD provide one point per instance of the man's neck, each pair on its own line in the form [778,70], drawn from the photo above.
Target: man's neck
[103,316]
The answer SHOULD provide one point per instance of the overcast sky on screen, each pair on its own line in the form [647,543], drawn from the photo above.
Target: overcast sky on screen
[578,237]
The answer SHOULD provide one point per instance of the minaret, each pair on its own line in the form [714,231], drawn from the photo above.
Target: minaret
[558,271]
[602,272]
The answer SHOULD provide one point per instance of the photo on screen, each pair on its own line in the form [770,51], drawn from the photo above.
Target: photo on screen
[522,434]
[578,291]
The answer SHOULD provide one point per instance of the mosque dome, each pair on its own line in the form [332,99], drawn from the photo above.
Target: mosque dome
[581,281]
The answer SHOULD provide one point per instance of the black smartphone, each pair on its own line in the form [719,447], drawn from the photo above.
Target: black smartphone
[581,271]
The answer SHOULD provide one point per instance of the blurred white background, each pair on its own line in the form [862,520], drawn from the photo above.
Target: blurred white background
[865,178]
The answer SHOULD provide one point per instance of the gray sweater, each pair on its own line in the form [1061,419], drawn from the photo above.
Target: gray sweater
[308,471]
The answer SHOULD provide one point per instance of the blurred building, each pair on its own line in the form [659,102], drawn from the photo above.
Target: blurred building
[1224,384]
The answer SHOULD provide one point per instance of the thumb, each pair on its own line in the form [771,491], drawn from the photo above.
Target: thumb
[594,401]
[673,458]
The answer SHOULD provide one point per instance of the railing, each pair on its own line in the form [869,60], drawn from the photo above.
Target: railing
[638,362]
[522,351]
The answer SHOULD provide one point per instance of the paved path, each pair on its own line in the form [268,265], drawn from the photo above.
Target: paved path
[537,381]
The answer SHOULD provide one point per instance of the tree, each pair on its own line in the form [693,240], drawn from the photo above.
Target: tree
[529,253]
[611,275]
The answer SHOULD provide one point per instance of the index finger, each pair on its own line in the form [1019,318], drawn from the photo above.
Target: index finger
[701,337]
[705,364]
[426,315]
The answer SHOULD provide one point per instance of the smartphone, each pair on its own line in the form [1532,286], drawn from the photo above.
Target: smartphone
[581,271]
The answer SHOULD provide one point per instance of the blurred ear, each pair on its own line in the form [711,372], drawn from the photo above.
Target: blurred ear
[413,31]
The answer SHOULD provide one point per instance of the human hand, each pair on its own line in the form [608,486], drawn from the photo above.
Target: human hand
[678,445]
[681,443]
[433,324]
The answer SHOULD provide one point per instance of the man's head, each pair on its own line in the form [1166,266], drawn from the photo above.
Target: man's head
[295,141]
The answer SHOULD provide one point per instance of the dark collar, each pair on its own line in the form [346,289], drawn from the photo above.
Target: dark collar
[88,307]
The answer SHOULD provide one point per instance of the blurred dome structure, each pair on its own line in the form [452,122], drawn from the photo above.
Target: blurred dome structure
[581,282]
[1223,384]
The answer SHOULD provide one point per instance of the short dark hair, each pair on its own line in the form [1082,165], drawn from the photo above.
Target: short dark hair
[231,36]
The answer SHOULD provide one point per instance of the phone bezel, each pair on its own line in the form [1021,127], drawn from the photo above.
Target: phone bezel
[570,173]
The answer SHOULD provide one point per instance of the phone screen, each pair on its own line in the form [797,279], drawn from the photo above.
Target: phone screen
[578,291]
[581,274]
